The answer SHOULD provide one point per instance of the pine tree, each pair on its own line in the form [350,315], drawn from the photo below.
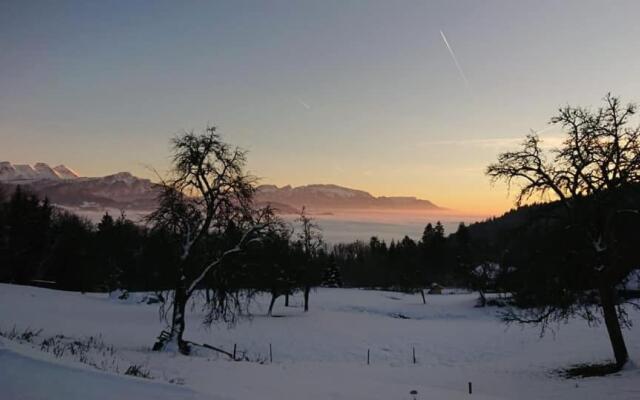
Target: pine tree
[332,277]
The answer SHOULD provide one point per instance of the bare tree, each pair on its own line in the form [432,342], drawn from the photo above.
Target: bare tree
[208,193]
[589,175]
[485,278]
[310,238]
[275,271]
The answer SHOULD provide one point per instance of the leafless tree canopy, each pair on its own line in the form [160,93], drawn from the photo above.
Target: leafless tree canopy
[208,195]
[589,174]
[600,152]
[311,234]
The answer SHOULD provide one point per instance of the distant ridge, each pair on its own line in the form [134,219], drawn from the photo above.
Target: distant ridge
[39,171]
[63,186]
[327,197]
[65,172]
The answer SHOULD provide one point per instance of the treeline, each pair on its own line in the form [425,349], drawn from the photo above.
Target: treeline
[406,264]
[44,245]
[40,243]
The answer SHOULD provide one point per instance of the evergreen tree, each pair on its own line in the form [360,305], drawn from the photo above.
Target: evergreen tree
[433,246]
[27,221]
[332,276]
[69,262]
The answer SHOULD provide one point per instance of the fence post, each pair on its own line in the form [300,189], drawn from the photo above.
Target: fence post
[470,388]
[270,354]
[234,352]
[414,355]
[367,356]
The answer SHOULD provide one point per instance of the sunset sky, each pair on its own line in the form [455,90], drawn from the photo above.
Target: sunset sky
[364,94]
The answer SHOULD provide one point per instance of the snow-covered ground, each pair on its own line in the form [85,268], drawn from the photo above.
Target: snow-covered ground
[316,355]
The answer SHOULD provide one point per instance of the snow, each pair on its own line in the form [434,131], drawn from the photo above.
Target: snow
[7,171]
[40,171]
[632,281]
[24,171]
[334,190]
[317,355]
[65,172]
[27,377]
[124,177]
[44,171]
[490,270]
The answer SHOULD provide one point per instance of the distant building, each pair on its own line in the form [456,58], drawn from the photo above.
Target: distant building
[435,289]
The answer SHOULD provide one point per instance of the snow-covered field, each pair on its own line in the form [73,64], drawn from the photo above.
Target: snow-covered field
[316,355]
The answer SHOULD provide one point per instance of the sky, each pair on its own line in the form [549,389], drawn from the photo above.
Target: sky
[393,97]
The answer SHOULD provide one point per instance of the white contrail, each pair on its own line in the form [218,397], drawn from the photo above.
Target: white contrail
[305,105]
[455,60]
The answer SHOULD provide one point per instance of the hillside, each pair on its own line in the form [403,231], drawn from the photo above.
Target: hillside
[316,355]
[333,197]
[123,190]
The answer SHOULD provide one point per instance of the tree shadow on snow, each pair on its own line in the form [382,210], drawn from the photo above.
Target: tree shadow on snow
[589,370]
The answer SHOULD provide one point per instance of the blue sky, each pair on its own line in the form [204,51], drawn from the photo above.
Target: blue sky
[359,93]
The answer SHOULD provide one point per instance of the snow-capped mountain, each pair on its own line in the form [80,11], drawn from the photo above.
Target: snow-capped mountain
[64,187]
[330,197]
[65,172]
[44,171]
[122,190]
[39,171]
[24,172]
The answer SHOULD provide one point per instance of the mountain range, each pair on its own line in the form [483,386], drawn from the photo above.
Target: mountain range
[325,198]
[39,171]
[65,187]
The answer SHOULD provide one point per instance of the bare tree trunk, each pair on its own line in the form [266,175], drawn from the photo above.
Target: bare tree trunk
[482,301]
[607,300]
[307,289]
[286,300]
[178,320]
[208,294]
[176,334]
[424,299]
[274,296]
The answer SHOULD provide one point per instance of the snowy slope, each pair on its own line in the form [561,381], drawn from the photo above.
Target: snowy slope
[6,170]
[24,171]
[28,377]
[322,354]
[65,172]
[38,172]
[44,171]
